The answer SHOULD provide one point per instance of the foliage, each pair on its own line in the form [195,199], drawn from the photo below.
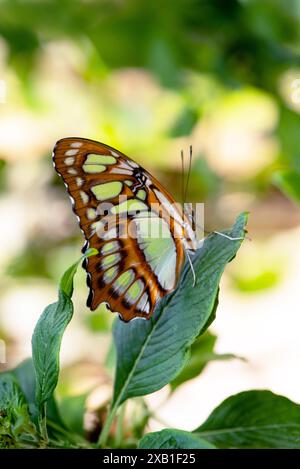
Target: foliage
[253,44]
[16,429]
[253,419]
[142,365]
[175,439]
[46,342]
[202,352]
[222,47]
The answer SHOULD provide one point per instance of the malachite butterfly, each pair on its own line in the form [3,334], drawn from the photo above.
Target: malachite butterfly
[140,233]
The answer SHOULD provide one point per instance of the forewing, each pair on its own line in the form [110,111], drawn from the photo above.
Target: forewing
[132,270]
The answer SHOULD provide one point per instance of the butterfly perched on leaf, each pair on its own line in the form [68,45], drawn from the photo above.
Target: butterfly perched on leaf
[140,233]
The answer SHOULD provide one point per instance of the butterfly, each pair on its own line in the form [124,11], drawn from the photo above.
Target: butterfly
[140,233]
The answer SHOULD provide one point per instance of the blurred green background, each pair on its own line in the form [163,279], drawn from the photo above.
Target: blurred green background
[150,78]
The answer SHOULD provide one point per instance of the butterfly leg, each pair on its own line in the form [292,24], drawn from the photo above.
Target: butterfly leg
[228,237]
[192,267]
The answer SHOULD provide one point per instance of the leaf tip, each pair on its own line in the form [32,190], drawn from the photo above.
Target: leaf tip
[239,228]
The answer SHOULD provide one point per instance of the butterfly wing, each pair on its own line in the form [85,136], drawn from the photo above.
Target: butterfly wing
[130,219]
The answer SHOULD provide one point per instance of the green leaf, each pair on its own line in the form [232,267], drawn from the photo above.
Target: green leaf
[173,439]
[110,359]
[59,433]
[185,123]
[288,133]
[253,419]
[201,354]
[66,283]
[25,376]
[16,427]
[46,342]
[10,393]
[151,353]
[73,409]
[288,182]
[162,61]
[48,333]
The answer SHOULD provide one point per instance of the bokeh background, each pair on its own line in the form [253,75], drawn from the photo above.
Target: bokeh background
[150,78]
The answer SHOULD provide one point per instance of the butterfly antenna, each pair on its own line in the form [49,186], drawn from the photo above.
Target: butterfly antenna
[192,267]
[182,178]
[188,174]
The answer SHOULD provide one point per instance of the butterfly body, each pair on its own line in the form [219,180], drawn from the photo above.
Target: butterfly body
[125,213]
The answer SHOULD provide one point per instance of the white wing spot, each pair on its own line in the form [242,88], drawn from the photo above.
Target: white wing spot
[91,213]
[97,227]
[121,171]
[79,182]
[71,152]
[114,153]
[124,165]
[69,161]
[133,164]
[76,144]
[72,171]
[84,197]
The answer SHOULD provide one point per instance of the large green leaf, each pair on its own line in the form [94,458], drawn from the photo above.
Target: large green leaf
[151,353]
[202,352]
[173,439]
[253,419]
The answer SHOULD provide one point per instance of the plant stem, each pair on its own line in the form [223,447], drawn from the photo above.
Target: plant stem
[107,424]
[119,429]
[43,423]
